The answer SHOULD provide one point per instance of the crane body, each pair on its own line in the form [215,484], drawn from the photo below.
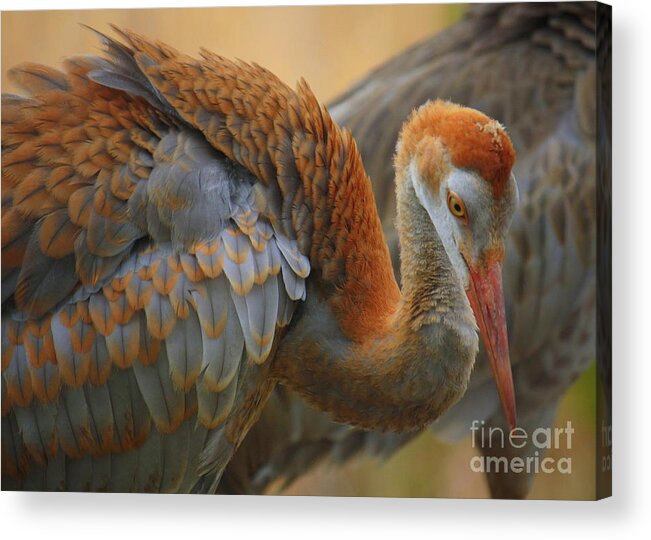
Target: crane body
[179,235]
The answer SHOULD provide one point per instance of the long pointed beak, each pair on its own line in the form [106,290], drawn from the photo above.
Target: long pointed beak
[487,301]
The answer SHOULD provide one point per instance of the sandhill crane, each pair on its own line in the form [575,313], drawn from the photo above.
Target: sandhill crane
[181,234]
[531,66]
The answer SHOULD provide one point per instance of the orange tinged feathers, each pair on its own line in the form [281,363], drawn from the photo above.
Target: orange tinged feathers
[472,140]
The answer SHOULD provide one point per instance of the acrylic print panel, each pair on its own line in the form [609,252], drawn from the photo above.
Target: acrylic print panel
[183,233]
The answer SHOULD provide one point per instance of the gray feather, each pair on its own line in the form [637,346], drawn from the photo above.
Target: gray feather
[149,465]
[196,441]
[294,285]
[124,342]
[222,355]
[214,407]
[17,376]
[101,473]
[37,426]
[216,454]
[160,316]
[297,261]
[13,455]
[131,416]
[212,301]
[55,476]
[121,71]
[211,264]
[46,377]
[124,466]
[98,399]
[175,453]
[241,275]
[165,403]
[185,352]
[43,282]
[72,365]
[35,479]
[73,422]
[79,473]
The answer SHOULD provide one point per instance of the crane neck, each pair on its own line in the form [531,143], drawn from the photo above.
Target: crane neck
[417,361]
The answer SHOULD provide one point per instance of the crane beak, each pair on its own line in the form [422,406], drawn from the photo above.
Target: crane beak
[487,301]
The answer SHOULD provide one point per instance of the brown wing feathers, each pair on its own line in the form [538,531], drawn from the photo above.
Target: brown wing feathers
[143,267]
[315,184]
[61,149]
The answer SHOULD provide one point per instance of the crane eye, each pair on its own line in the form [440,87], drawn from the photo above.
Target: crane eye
[456,206]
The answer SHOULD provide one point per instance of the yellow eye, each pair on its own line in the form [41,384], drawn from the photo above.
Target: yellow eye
[456,206]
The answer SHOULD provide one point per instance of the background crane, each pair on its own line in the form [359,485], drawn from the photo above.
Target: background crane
[532,66]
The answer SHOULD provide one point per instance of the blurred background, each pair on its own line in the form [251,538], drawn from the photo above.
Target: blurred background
[331,47]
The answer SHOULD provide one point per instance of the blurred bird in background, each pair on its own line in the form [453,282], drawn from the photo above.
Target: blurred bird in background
[533,67]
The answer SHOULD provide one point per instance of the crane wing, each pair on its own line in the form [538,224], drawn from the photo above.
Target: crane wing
[145,276]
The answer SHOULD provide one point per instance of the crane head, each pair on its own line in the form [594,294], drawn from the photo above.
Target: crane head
[460,161]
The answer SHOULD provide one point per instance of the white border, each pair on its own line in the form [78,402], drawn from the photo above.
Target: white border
[626,515]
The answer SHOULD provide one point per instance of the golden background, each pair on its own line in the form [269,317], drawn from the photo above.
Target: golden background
[331,47]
